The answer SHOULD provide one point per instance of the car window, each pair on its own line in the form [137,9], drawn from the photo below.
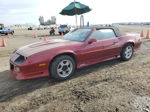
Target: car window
[102,34]
[77,35]
[97,35]
[63,26]
[5,29]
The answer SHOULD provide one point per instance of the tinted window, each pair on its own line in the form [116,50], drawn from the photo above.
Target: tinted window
[103,34]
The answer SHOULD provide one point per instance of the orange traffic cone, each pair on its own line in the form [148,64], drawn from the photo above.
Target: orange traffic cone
[141,34]
[62,34]
[8,36]
[45,39]
[3,42]
[147,35]
[35,35]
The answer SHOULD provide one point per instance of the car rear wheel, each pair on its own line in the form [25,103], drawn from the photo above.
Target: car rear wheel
[62,67]
[127,52]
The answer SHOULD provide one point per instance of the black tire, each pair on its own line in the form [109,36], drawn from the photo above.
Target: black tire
[123,52]
[55,65]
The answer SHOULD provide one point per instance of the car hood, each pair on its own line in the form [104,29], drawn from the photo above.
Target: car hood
[43,46]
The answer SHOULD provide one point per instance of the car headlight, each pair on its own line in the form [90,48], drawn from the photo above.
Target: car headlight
[20,59]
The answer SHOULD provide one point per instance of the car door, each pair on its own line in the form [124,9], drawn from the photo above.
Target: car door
[93,52]
[110,43]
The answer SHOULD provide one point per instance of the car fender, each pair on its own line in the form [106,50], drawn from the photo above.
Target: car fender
[64,52]
[129,41]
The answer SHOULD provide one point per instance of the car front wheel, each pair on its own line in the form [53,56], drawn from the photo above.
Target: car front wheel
[127,52]
[62,67]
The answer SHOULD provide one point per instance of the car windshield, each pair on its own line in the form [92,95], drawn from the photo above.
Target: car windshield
[63,26]
[77,35]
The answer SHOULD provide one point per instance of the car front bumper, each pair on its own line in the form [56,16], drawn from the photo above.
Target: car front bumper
[27,72]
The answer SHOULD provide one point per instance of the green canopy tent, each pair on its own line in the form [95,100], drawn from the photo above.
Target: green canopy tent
[75,8]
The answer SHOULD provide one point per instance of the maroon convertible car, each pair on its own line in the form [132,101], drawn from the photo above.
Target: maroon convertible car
[79,48]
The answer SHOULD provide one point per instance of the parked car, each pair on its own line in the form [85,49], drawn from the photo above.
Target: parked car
[6,31]
[30,28]
[63,29]
[40,28]
[80,48]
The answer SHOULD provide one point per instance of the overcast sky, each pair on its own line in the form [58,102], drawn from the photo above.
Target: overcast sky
[103,11]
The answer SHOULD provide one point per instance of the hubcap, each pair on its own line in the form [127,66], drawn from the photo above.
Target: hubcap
[128,52]
[64,68]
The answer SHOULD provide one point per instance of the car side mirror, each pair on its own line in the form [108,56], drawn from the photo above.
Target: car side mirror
[92,41]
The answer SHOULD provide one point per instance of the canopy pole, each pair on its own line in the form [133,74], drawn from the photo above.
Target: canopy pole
[81,21]
[76,20]
[76,16]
